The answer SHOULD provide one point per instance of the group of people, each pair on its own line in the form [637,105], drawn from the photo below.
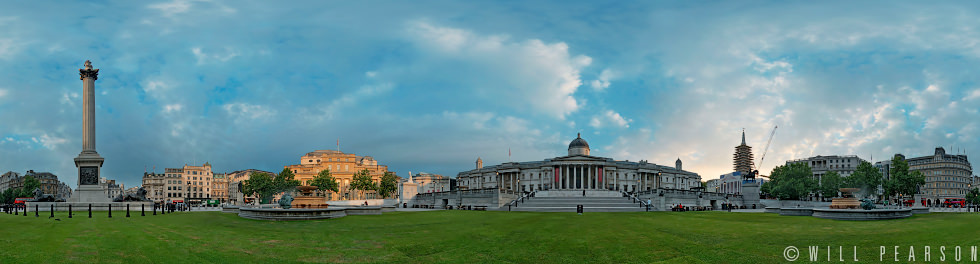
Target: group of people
[682,208]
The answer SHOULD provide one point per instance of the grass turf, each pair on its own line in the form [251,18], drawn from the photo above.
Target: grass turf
[471,236]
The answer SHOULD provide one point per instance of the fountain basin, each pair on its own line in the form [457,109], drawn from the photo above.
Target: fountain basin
[861,215]
[796,211]
[279,214]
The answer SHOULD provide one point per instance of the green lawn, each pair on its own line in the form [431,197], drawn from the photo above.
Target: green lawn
[468,236]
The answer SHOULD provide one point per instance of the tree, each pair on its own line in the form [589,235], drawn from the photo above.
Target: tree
[902,181]
[792,181]
[259,184]
[8,195]
[362,181]
[829,185]
[30,184]
[285,181]
[766,189]
[973,197]
[325,181]
[266,186]
[866,177]
[388,185]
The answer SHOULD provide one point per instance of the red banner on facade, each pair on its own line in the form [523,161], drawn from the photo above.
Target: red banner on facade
[556,178]
[600,174]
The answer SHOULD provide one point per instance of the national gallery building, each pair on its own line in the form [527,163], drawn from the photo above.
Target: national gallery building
[578,171]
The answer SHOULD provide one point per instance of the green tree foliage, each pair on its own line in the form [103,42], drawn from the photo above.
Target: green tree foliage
[266,186]
[792,182]
[902,181]
[830,183]
[866,177]
[259,184]
[325,181]
[285,181]
[362,181]
[766,189]
[388,185]
[30,184]
[8,195]
[973,197]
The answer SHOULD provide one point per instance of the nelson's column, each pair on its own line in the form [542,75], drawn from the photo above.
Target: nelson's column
[88,162]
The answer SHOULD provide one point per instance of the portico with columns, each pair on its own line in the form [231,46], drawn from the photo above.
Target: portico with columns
[578,171]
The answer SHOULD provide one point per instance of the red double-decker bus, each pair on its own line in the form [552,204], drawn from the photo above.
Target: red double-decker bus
[955,202]
[20,202]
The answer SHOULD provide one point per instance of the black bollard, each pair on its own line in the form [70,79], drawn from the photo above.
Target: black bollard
[154,209]
[142,210]
[69,210]
[89,210]
[110,210]
[52,211]
[127,210]
[35,211]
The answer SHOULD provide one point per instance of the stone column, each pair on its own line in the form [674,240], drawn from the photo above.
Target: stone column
[588,175]
[88,161]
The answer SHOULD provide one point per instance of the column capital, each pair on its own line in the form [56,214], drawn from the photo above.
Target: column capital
[88,71]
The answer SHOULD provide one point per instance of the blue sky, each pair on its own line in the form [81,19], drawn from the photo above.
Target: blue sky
[431,85]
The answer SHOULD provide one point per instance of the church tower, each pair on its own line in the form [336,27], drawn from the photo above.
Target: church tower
[743,157]
[677,164]
[479,163]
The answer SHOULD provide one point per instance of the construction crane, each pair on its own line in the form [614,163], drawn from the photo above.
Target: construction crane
[755,172]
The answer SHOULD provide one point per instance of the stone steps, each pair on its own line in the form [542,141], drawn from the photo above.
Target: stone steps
[568,204]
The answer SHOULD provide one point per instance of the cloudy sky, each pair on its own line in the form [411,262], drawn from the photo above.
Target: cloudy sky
[431,86]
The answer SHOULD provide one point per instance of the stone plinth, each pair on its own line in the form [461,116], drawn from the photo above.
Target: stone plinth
[920,210]
[772,210]
[89,194]
[750,194]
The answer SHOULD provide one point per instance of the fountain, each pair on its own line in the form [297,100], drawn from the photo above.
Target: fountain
[848,201]
[307,199]
[849,207]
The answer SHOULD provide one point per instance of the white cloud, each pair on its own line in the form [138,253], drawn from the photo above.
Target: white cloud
[175,7]
[350,99]
[244,112]
[611,118]
[48,141]
[604,77]
[203,58]
[975,94]
[532,74]
[3,92]
[172,108]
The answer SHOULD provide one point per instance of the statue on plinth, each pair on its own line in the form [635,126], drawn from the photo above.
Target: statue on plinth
[39,196]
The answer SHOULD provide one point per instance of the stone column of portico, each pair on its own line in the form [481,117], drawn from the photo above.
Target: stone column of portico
[591,177]
[568,177]
[588,177]
[561,177]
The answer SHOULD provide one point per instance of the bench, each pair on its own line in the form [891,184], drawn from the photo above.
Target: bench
[480,208]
